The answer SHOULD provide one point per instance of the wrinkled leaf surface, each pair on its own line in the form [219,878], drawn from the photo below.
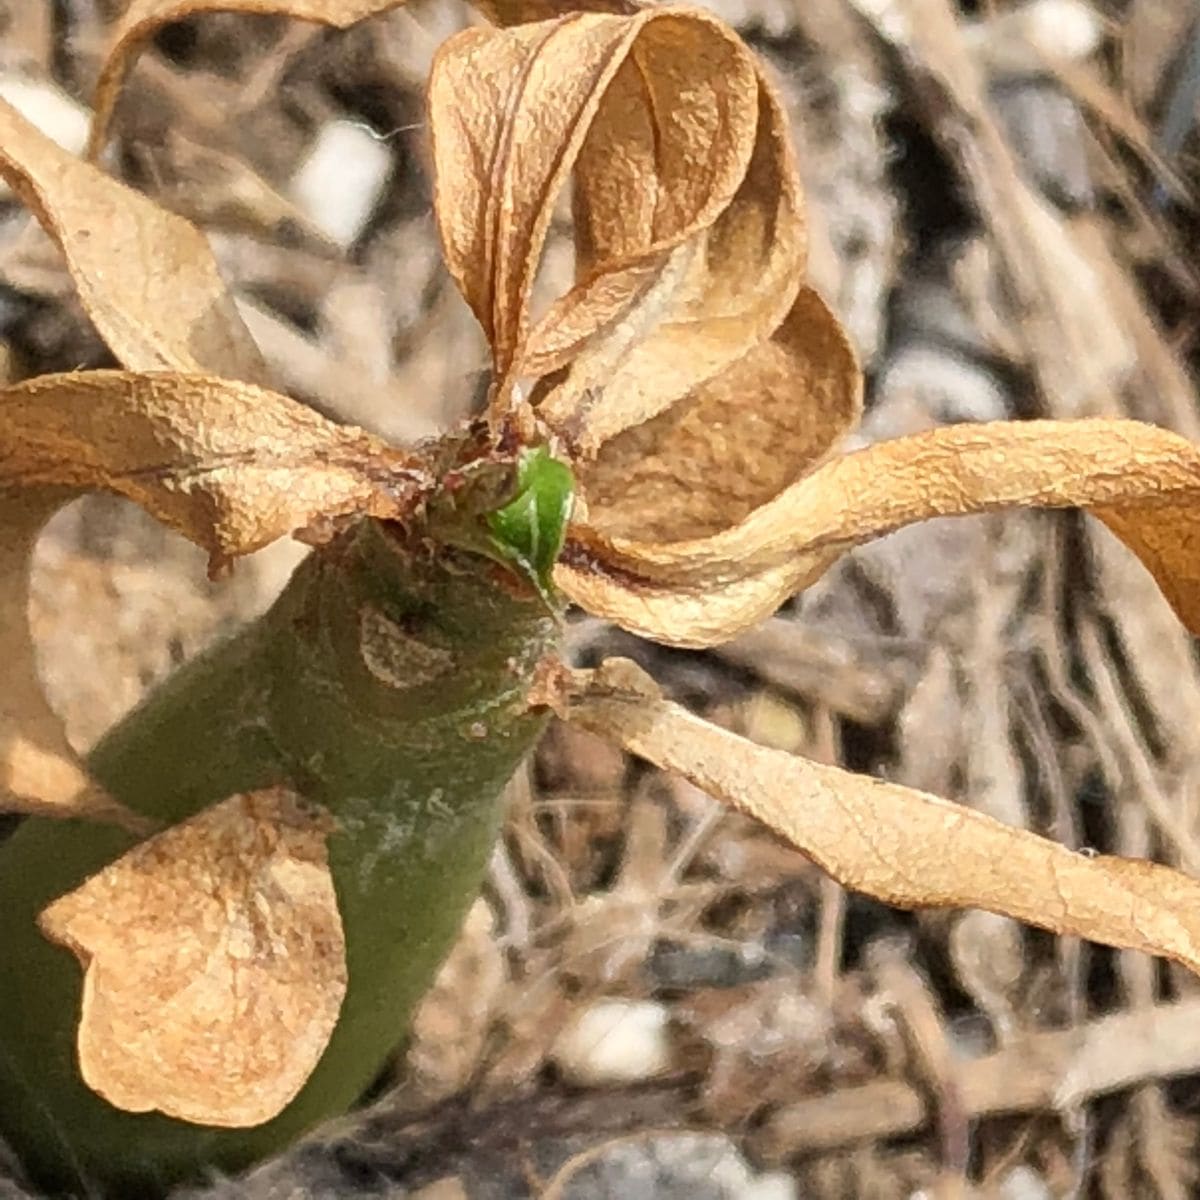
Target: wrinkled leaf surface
[897,844]
[214,963]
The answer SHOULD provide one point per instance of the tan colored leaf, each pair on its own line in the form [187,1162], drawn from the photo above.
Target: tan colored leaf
[229,465]
[145,277]
[658,113]
[214,963]
[897,844]
[148,281]
[722,293]
[690,373]
[142,18]
[734,443]
[39,771]
[1141,481]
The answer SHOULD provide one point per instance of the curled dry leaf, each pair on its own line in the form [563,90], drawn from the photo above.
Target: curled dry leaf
[39,771]
[692,375]
[897,844]
[1141,481]
[145,277]
[149,282]
[688,227]
[229,465]
[214,963]
[700,387]
[142,18]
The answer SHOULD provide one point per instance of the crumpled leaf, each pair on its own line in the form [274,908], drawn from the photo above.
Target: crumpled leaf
[230,465]
[710,494]
[901,846]
[687,222]
[214,963]
[692,375]
[143,18]
[1141,481]
[721,294]
[145,277]
[149,282]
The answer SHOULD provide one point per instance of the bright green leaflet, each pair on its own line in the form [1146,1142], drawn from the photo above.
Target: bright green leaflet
[529,531]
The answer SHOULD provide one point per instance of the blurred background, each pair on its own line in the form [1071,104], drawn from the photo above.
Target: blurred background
[654,998]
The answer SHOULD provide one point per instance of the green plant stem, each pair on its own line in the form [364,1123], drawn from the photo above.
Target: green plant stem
[386,683]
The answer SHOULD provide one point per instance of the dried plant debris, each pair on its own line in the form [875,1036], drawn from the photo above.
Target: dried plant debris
[1030,672]
[142,18]
[209,994]
[137,297]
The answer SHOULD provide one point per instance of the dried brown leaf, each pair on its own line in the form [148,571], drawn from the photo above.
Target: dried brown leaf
[734,443]
[691,373]
[897,844]
[142,18]
[39,771]
[683,192]
[230,465]
[145,277]
[214,963]
[1141,481]
[719,297]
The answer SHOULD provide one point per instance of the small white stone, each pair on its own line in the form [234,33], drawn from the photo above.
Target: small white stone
[615,1042]
[1026,37]
[1023,1183]
[771,1185]
[41,103]
[1064,29]
[340,181]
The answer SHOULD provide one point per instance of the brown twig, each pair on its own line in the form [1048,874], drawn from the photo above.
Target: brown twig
[1052,1070]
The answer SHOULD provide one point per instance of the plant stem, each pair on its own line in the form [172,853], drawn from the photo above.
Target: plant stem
[388,684]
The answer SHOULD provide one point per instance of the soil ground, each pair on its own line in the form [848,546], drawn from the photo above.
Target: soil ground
[654,998]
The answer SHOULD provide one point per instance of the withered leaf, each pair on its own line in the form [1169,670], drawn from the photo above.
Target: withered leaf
[897,844]
[145,277]
[658,113]
[39,771]
[1141,481]
[722,293]
[735,442]
[230,465]
[148,281]
[689,371]
[214,963]
[142,18]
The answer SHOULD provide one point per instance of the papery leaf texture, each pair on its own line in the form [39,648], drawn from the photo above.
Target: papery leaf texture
[894,843]
[145,277]
[214,963]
